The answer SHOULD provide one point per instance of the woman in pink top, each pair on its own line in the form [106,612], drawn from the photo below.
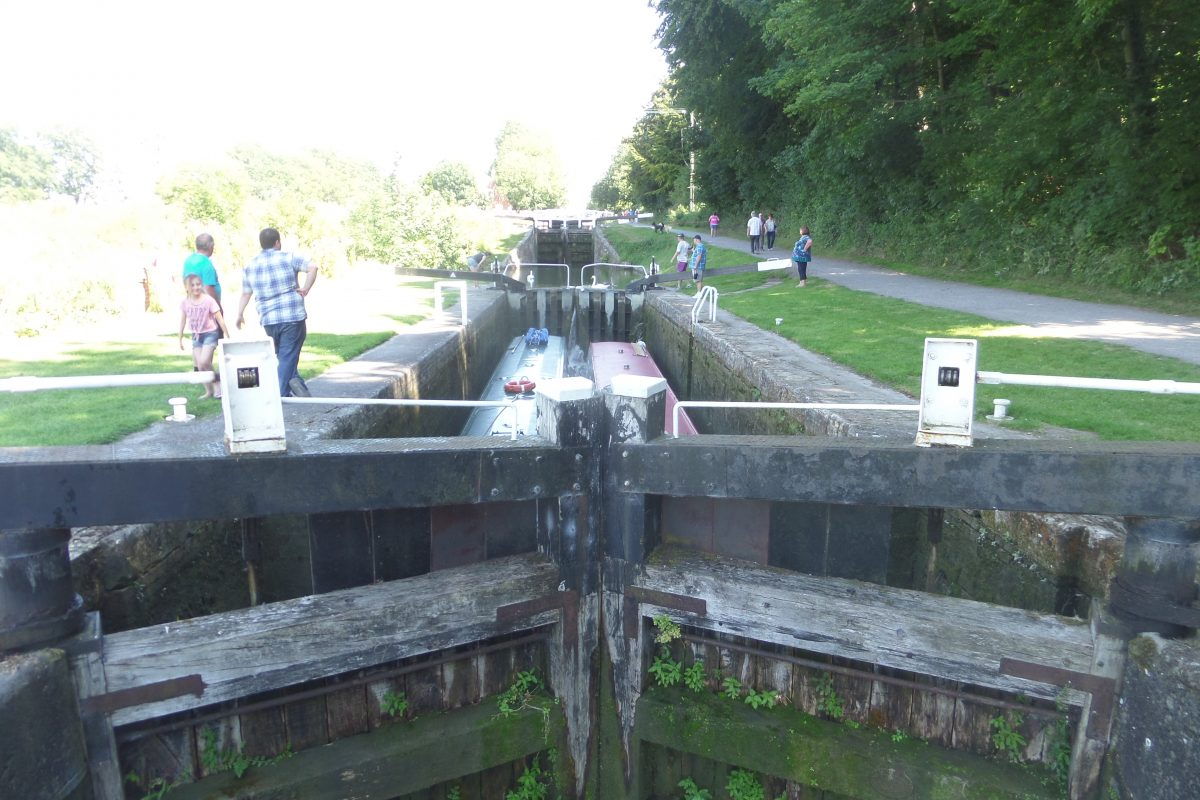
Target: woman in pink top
[713,222]
[202,316]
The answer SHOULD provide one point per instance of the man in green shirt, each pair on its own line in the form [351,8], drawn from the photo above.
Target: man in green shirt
[200,263]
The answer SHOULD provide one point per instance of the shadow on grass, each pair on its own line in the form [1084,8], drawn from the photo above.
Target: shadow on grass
[406,319]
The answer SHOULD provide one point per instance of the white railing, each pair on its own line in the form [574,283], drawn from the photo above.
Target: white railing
[359,401]
[1118,384]
[29,383]
[742,404]
[707,295]
[583,270]
[439,288]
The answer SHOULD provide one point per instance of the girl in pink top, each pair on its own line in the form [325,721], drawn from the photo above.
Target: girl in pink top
[713,222]
[201,315]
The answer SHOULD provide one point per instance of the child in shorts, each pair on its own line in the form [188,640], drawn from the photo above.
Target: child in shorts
[681,254]
[201,315]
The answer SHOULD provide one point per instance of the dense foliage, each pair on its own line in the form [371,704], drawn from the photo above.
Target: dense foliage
[455,183]
[650,169]
[58,163]
[1051,137]
[527,173]
[338,209]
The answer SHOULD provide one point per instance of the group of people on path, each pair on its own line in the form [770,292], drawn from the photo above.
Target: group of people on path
[761,232]
[762,238]
[272,279]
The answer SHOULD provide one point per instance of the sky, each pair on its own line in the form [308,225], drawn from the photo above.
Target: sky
[157,84]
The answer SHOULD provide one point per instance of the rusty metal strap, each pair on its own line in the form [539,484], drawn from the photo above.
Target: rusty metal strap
[1103,690]
[567,601]
[635,595]
[141,695]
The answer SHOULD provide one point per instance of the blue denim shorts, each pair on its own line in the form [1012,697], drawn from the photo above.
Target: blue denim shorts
[206,339]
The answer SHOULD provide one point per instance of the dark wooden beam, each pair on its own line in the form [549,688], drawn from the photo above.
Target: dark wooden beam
[1114,478]
[849,762]
[255,650]
[394,760]
[106,485]
[943,637]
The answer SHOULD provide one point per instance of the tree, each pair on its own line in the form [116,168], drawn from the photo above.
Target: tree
[206,194]
[454,182]
[526,172]
[613,190]
[25,170]
[74,163]
[405,227]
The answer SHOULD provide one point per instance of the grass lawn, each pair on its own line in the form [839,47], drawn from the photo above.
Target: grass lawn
[339,311]
[639,245]
[883,338]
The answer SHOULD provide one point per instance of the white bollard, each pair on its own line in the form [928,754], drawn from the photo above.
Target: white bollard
[1000,411]
[179,411]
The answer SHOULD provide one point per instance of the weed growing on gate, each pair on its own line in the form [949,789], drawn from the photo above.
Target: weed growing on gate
[743,785]
[693,792]
[1060,743]
[519,695]
[533,783]
[665,669]
[1006,737]
[394,704]
[217,760]
[829,702]
[694,676]
[158,787]
[768,698]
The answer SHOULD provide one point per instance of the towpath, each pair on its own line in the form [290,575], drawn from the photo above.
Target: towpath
[1149,331]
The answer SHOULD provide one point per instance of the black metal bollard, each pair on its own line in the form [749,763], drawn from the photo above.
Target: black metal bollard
[38,603]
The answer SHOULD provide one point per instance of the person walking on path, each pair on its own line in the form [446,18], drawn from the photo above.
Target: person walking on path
[681,254]
[713,222]
[769,231]
[200,314]
[754,231]
[699,260]
[200,263]
[802,255]
[270,278]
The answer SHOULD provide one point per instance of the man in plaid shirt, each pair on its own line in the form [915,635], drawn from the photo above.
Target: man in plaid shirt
[271,279]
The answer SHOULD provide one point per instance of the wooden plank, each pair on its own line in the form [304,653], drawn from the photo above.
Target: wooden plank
[264,732]
[891,705]
[281,644]
[973,727]
[460,682]
[395,760]
[306,723]
[933,715]
[167,755]
[929,635]
[425,693]
[346,712]
[855,694]
[87,670]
